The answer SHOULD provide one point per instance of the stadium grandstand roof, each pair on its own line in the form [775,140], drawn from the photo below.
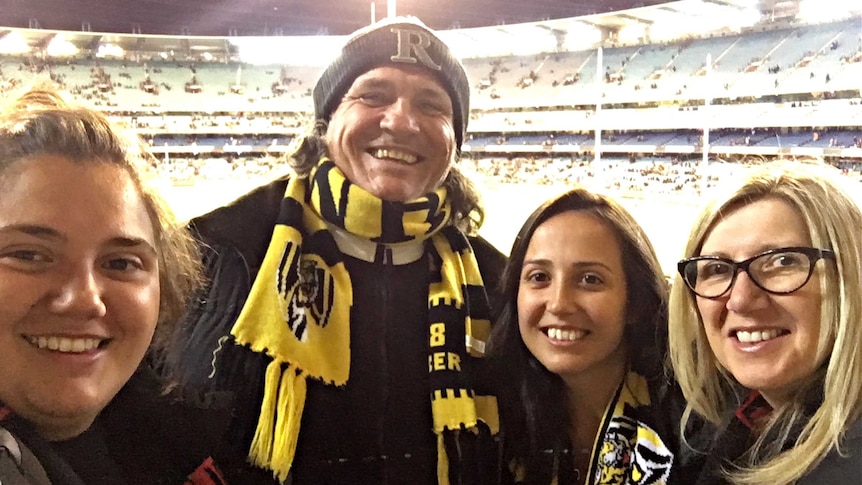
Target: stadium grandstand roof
[552,34]
[306,17]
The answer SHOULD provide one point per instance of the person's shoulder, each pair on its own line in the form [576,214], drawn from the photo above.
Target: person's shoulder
[479,241]
[260,204]
[147,400]
[840,467]
[18,465]
[854,434]
[154,430]
[246,223]
[488,256]
[665,389]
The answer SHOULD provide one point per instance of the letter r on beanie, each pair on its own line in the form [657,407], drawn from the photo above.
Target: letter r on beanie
[403,40]
[413,42]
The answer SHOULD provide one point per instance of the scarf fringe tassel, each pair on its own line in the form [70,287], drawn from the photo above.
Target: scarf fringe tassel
[274,443]
[442,462]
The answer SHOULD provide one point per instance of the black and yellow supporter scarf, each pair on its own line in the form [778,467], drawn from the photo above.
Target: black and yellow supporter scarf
[628,447]
[298,311]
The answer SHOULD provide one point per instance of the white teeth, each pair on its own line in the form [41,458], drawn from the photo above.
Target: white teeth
[396,155]
[79,345]
[755,336]
[567,335]
[65,344]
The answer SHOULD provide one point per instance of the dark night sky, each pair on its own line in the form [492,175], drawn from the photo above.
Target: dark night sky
[288,17]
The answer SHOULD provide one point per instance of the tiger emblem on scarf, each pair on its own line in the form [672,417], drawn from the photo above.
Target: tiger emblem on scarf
[632,453]
[309,299]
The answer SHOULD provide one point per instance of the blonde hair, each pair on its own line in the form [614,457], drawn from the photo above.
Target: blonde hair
[42,122]
[833,220]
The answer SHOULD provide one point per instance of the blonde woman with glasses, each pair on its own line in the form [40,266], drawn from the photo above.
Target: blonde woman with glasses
[766,332]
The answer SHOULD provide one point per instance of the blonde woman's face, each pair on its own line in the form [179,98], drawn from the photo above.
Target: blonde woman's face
[79,290]
[768,342]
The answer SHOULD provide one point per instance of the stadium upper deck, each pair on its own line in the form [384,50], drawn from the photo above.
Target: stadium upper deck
[767,72]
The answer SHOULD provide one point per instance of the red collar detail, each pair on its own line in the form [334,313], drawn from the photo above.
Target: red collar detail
[206,474]
[753,409]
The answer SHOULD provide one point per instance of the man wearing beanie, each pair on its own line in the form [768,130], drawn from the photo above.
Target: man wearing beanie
[348,303]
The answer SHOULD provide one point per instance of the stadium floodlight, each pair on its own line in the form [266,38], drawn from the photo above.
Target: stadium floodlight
[633,34]
[13,43]
[707,16]
[581,36]
[700,17]
[391,7]
[821,11]
[60,47]
[463,46]
[110,50]
[298,50]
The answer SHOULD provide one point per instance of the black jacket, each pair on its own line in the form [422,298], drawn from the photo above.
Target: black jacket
[142,437]
[377,428]
[836,468]
[716,449]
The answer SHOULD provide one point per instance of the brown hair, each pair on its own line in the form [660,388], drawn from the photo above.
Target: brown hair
[42,122]
[467,211]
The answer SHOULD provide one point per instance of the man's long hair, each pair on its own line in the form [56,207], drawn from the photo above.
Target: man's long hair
[467,211]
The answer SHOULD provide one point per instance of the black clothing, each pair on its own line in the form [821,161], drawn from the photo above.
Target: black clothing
[142,437]
[836,468]
[378,427]
[719,449]
[90,457]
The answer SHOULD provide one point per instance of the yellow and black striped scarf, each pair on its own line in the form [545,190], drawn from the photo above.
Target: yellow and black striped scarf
[298,311]
[628,447]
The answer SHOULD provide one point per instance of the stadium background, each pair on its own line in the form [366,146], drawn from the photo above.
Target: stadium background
[655,105]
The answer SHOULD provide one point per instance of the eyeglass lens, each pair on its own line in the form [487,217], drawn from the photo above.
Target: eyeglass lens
[780,272]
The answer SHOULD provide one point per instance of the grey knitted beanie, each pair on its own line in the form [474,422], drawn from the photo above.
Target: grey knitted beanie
[399,40]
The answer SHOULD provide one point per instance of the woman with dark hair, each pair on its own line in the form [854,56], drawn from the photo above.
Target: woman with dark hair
[580,342]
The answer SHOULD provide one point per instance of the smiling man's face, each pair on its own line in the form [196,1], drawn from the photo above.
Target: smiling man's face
[393,133]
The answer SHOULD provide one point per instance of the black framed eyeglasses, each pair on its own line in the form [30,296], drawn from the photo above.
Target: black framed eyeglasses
[778,271]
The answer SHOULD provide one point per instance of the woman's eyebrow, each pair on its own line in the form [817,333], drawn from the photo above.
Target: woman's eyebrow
[36,230]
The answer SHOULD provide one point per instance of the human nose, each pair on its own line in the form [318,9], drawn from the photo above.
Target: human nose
[561,299]
[79,293]
[745,296]
[400,117]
